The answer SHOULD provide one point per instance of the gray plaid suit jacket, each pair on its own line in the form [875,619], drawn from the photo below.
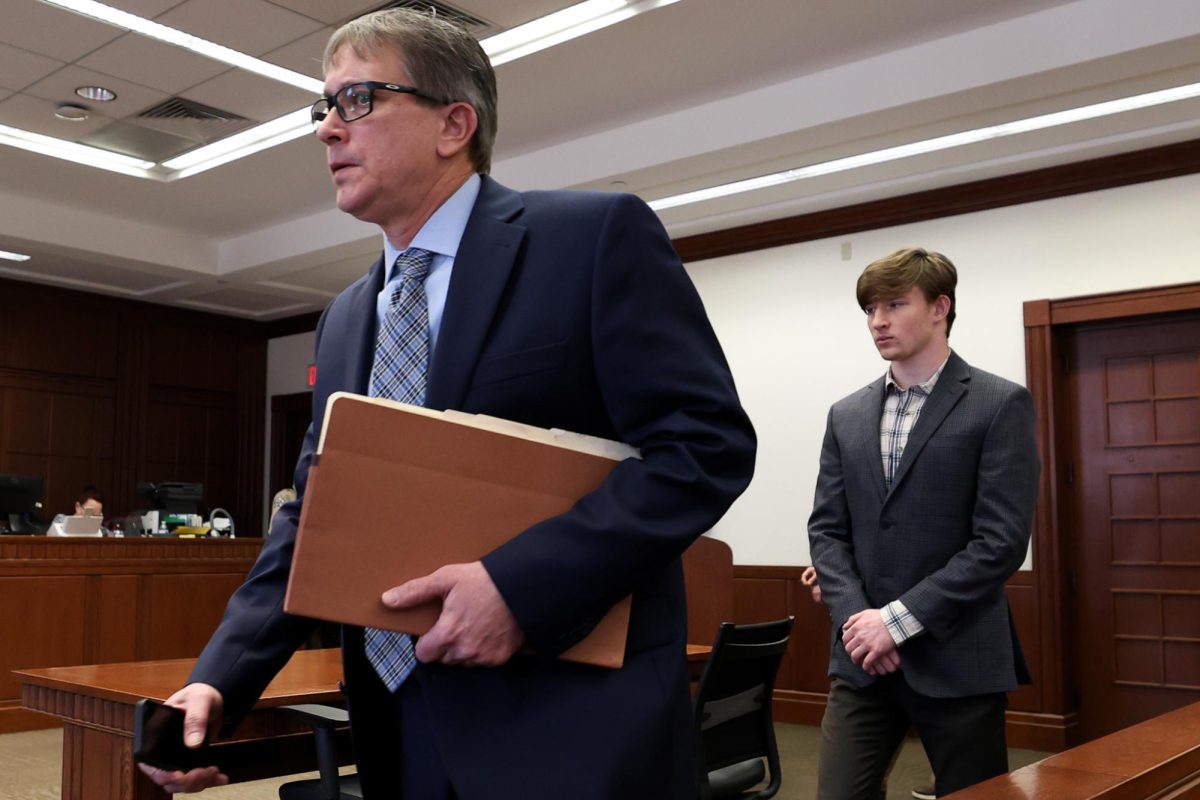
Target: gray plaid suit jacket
[954,526]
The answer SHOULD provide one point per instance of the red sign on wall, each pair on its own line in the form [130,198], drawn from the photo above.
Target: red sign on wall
[312,375]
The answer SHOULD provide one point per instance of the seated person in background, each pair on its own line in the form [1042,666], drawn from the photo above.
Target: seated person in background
[90,503]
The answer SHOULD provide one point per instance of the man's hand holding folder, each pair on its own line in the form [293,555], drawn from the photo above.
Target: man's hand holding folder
[475,628]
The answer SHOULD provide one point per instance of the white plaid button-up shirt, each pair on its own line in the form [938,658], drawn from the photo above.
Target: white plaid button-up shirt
[901,407]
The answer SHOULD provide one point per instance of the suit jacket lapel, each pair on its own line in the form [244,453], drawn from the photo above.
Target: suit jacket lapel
[360,330]
[482,266]
[950,388]
[872,400]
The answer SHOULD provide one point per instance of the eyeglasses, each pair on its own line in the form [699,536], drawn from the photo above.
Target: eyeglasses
[355,100]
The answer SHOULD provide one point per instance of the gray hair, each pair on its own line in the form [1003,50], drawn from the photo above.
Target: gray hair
[442,59]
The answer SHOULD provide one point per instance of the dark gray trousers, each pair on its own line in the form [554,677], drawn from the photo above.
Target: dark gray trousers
[963,737]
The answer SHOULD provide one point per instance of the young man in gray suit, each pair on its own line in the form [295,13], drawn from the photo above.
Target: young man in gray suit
[923,508]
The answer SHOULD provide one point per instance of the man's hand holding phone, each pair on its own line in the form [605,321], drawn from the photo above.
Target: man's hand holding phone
[175,734]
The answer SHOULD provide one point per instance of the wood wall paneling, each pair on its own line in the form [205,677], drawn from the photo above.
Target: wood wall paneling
[86,601]
[73,336]
[179,610]
[112,392]
[111,633]
[41,624]
[764,593]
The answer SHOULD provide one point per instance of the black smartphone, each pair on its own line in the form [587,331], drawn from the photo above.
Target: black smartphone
[158,739]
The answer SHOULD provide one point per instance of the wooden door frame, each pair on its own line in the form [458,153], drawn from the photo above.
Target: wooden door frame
[279,471]
[1047,376]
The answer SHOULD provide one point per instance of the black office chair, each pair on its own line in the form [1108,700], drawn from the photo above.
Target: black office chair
[325,721]
[734,728]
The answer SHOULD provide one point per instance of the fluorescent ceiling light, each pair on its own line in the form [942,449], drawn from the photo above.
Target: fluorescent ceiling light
[1026,125]
[260,137]
[562,26]
[13,256]
[79,153]
[173,36]
[553,29]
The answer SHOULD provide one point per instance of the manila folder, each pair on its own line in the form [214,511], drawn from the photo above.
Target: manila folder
[397,491]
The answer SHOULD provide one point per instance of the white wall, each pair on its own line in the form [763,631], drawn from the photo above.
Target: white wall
[797,341]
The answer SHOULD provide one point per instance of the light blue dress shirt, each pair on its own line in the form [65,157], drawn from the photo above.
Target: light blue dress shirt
[440,235]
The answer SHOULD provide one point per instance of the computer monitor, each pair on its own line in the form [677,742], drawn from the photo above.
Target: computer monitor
[21,503]
[174,497]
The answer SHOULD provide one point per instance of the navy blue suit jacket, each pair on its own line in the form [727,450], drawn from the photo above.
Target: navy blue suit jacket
[567,310]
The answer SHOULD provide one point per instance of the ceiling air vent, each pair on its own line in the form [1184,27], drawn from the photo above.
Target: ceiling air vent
[192,120]
[475,25]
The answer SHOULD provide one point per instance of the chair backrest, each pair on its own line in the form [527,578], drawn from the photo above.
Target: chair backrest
[708,581]
[733,702]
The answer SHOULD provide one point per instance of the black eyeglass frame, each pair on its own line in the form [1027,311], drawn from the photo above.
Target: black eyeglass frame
[331,100]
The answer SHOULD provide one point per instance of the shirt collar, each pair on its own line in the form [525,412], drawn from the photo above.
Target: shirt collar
[442,232]
[925,388]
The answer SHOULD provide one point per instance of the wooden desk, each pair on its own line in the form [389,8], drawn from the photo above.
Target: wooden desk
[697,656]
[96,704]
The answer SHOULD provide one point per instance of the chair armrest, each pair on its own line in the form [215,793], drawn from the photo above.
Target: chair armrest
[318,715]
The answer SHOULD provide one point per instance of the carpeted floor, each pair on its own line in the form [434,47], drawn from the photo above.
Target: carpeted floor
[32,764]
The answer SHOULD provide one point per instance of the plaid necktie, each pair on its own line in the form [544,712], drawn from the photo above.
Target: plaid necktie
[399,373]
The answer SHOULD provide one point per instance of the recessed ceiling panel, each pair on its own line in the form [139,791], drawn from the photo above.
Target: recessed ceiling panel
[52,31]
[243,300]
[68,271]
[152,63]
[19,68]
[260,26]
[329,278]
[252,96]
[131,97]
[139,141]
[37,115]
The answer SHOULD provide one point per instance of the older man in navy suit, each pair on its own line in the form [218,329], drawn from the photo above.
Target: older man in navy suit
[557,309]
[923,509]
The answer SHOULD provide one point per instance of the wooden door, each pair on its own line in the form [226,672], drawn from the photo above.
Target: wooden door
[1135,399]
[291,414]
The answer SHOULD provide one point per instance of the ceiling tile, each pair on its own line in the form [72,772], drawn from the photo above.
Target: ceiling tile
[250,95]
[260,27]
[154,64]
[329,278]
[329,11]
[19,68]
[37,115]
[144,8]
[303,55]
[510,13]
[52,31]
[131,99]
